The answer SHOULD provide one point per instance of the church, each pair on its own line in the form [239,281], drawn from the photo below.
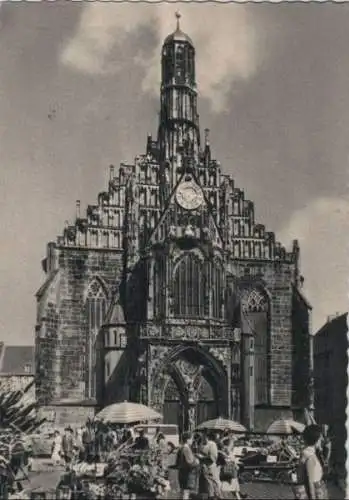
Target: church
[167,291]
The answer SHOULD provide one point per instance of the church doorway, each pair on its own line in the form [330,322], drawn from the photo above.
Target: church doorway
[193,391]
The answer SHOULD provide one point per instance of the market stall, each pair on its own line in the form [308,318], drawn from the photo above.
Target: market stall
[127,471]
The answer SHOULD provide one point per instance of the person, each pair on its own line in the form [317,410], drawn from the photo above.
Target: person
[229,471]
[141,442]
[100,441]
[196,443]
[228,440]
[209,482]
[187,465]
[161,442]
[68,445]
[324,450]
[309,476]
[88,440]
[56,448]
[111,439]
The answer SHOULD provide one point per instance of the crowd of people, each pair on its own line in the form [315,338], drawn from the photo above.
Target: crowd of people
[206,462]
[208,468]
[94,441]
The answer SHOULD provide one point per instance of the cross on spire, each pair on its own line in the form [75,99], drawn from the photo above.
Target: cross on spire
[178,16]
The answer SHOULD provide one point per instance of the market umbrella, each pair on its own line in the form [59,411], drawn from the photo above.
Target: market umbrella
[285,426]
[221,424]
[127,413]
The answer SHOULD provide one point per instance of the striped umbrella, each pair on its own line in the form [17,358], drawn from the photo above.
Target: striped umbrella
[285,426]
[127,413]
[221,424]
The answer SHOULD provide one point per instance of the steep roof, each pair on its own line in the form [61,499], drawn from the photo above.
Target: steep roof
[18,359]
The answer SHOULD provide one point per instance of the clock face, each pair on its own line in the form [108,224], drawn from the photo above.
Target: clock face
[189,195]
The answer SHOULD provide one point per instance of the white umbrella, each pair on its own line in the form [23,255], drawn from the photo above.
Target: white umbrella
[127,413]
[221,424]
[285,426]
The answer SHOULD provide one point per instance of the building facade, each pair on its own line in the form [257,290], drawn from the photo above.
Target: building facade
[17,368]
[330,384]
[167,291]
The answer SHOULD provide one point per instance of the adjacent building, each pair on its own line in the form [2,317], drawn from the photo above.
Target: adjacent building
[169,291]
[330,383]
[17,368]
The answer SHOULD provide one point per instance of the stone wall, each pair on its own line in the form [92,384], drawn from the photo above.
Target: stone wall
[63,351]
[276,278]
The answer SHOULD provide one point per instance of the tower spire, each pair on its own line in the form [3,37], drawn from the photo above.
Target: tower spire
[178,16]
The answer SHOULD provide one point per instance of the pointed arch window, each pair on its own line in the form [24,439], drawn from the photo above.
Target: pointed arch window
[159,287]
[189,288]
[96,308]
[255,314]
[96,303]
[217,290]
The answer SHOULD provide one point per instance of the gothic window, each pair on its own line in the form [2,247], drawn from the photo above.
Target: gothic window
[254,301]
[255,310]
[105,239]
[142,196]
[159,286]
[236,207]
[236,228]
[217,289]
[246,249]
[180,66]
[257,250]
[122,196]
[247,229]
[96,307]
[189,288]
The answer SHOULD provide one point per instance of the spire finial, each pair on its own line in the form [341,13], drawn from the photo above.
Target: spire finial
[178,16]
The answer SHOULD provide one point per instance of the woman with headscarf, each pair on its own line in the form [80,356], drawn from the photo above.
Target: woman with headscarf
[310,483]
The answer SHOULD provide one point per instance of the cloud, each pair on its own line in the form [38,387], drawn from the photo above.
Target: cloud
[226,37]
[322,229]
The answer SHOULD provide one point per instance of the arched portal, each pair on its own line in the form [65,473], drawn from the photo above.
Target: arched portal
[189,387]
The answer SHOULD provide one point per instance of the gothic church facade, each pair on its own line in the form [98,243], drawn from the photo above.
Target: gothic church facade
[168,292]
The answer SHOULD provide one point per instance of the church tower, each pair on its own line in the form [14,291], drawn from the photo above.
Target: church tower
[179,119]
[168,292]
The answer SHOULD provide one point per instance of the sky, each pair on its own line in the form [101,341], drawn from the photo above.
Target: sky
[79,90]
